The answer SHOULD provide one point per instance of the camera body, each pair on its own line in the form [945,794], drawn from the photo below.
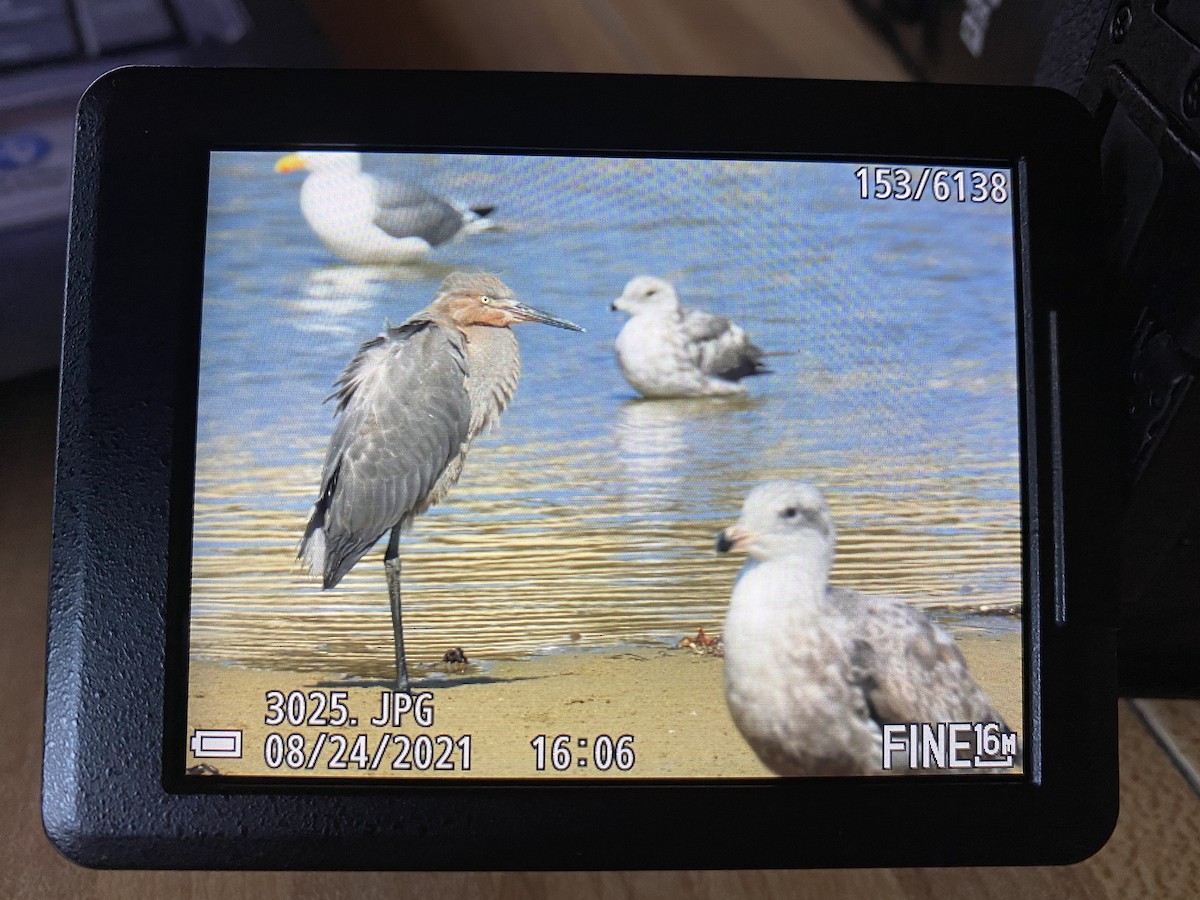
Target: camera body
[932,396]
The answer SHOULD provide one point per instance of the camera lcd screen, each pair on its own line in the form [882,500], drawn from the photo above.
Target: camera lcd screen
[810,365]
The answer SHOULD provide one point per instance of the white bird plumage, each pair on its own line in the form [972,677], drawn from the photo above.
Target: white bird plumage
[666,350]
[375,221]
[812,672]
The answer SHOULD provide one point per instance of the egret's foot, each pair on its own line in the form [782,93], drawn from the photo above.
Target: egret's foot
[403,683]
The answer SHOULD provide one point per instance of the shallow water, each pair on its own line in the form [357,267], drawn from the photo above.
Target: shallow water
[587,517]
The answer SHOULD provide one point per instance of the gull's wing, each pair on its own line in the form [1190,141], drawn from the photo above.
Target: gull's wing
[405,210]
[828,728]
[911,670]
[403,415]
[720,348]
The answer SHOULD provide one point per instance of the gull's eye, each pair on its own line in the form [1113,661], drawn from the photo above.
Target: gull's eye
[486,301]
[651,292]
[789,513]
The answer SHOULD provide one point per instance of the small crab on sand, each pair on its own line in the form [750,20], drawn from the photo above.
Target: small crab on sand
[702,643]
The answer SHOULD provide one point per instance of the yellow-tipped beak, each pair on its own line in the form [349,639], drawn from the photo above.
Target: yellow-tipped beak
[290,163]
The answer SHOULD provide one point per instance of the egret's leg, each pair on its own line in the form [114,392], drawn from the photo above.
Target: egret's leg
[391,564]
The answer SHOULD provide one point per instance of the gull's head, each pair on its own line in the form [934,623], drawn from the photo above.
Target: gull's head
[647,293]
[780,519]
[336,161]
[476,298]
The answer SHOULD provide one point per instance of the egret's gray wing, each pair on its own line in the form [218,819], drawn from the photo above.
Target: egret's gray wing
[403,414]
[720,348]
[403,209]
[910,669]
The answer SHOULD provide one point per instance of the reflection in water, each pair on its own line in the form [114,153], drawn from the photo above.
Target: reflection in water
[502,569]
[650,438]
[348,286]
[652,446]
[660,469]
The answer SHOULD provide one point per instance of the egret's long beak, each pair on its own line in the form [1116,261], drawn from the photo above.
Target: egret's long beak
[290,163]
[529,314]
[735,537]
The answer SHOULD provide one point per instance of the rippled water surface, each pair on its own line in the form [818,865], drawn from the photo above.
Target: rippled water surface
[587,517]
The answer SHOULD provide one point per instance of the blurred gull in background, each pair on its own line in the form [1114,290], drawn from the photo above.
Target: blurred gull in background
[370,220]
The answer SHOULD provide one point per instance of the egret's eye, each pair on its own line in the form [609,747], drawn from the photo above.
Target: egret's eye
[789,513]
[486,301]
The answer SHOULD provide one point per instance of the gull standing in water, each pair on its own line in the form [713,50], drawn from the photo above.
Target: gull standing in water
[814,672]
[370,220]
[667,351]
[409,405]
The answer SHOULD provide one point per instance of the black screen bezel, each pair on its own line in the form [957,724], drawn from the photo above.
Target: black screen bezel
[126,455]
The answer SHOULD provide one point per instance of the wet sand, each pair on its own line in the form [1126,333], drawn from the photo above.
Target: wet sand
[671,702]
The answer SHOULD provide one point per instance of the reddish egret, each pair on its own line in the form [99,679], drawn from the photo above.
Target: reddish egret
[813,673]
[408,407]
[666,350]
[365,219]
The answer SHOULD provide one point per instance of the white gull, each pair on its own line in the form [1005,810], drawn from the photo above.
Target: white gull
[814,672]
[370,220]
[665,350]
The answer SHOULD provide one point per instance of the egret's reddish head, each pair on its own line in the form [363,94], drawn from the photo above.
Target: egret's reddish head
[481,299]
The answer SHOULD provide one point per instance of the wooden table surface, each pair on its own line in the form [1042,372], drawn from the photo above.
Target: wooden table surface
[1155,851]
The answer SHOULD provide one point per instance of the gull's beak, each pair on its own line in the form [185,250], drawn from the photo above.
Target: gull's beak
[290,163]
[529,314]
[734,538]
[616,304]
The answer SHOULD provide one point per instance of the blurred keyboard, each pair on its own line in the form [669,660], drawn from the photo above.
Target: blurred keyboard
[42,31]
[50,51]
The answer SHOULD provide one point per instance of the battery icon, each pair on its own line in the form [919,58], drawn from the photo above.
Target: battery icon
[211,743]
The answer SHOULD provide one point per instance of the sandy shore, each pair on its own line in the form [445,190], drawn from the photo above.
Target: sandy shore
[671,703]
